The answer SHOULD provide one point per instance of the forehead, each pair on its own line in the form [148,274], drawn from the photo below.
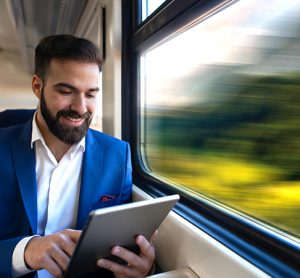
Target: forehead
[61,70]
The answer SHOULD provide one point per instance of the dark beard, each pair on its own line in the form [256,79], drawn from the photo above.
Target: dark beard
[67,134]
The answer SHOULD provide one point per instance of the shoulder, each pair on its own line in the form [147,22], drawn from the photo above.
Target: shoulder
[20,132]
[7,133]
[104,139]
[113,150]
[7,136]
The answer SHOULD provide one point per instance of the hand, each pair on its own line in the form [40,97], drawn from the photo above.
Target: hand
[51,252]
[137,265]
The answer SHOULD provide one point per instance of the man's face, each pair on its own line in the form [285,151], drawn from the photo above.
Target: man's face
[68,98]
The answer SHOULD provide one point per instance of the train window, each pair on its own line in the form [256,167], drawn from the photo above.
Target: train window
[220,110]
[149,6]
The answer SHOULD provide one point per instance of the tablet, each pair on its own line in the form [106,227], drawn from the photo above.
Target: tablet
[118,225]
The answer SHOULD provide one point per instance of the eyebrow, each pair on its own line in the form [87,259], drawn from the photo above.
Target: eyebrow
[71,87]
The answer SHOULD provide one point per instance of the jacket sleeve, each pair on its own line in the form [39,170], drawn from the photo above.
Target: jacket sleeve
[6,251]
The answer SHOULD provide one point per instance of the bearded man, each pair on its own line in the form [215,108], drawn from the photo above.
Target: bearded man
[55,170]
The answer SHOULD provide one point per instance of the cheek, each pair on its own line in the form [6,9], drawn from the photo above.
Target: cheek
[56,107]
[60,104]
[91,107]
[54,101]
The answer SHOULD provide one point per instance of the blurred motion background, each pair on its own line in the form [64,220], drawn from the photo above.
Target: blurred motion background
[220,110]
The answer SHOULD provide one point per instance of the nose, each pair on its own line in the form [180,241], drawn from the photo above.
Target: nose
[79,104]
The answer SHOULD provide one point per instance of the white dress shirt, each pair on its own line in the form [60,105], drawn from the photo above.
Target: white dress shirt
[58,186]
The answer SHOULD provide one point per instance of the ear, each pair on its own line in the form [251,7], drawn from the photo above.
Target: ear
[37,85]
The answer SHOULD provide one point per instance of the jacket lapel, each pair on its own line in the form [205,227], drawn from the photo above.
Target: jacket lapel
[24,158]
[91,168]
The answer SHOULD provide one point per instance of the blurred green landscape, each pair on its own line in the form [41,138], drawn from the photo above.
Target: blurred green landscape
[241,146]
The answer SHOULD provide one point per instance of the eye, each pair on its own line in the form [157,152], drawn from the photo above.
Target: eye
[65,92]
[91,95]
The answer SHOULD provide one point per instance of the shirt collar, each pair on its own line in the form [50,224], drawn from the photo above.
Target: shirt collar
[36,135]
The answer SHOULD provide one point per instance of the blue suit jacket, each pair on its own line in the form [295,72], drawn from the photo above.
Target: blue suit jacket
[106,171]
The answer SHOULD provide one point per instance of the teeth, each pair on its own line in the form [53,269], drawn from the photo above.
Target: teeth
[74,120]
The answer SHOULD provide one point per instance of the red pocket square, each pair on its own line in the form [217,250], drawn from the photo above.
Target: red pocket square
[106,198]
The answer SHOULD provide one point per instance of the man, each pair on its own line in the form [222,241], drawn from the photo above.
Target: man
[55,170]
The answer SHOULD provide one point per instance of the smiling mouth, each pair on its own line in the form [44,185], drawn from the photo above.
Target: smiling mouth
[73,121]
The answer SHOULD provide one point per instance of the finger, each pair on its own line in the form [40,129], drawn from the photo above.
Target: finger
[65,242]
[117,269]
[60,257]
[146,248]
[73,234]
[51,266]
[130,257]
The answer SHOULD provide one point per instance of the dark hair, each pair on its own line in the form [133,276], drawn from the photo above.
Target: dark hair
[65,47]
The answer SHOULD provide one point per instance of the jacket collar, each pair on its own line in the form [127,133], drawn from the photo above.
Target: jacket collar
[91,169]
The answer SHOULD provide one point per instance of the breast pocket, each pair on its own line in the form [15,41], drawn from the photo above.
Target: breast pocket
[106,201]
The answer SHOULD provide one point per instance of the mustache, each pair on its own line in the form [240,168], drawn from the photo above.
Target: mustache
[73,114]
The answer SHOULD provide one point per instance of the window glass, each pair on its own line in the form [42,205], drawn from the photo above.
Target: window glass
[149,6]
[220,110]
